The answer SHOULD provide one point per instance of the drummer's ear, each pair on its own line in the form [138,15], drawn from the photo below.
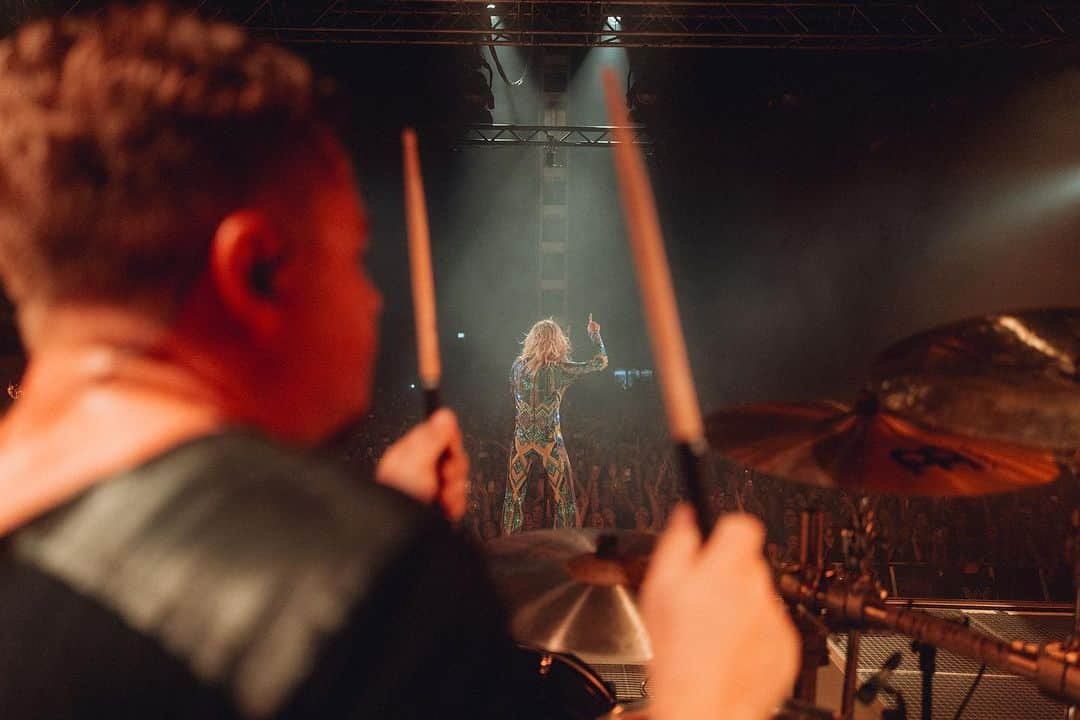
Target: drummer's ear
[245,259]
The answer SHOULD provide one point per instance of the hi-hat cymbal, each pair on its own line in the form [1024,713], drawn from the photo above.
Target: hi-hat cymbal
[829,444]
[574,591]
[1011,376]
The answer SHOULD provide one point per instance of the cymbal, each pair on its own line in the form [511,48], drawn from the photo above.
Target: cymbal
[830,444]
[1010,376]
[574,591]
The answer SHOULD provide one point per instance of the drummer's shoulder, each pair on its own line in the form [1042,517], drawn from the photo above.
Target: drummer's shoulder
[243,499]
[231,493]
[238,554]
[302,491]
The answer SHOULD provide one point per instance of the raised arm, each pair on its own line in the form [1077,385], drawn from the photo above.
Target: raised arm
[581,499]
[599,361]
[652,490]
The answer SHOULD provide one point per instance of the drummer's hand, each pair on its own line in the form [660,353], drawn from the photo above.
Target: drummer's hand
[592,327]
[411,465]
[723,644]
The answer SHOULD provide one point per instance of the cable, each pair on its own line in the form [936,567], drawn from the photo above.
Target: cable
[900,711]
[502,73]
[970,692]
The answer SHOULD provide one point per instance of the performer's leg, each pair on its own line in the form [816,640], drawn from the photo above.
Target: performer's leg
[520,462]
[556,465]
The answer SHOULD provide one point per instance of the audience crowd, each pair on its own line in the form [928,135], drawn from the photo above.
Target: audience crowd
[1011,546]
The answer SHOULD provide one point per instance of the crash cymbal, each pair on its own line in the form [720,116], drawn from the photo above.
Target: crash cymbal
[829,444]
[1011,376]
[574,591]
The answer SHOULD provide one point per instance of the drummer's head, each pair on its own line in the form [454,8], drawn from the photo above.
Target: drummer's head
[544,344]
[161,167]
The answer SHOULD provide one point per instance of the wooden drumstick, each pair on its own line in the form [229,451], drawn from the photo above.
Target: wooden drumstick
[423,278]
[658,302]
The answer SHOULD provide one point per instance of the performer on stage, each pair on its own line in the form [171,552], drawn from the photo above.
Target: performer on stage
[538,379]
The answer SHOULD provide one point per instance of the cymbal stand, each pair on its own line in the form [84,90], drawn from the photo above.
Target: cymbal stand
[815,650]
[859,557]
[927,667]
[858,564]
[1073,645]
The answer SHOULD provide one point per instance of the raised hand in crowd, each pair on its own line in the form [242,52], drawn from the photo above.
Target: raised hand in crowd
[652,492]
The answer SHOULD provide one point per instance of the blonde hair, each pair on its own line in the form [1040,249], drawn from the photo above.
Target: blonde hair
[545,344]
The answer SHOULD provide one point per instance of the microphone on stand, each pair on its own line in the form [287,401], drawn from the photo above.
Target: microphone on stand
[879,681]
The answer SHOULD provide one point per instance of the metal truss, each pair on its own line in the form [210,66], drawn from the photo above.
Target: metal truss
[861,25]
[805,25]
[548,135]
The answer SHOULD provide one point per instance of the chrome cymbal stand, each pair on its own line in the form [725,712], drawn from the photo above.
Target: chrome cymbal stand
[859,565]
[1073,644]
[815,649]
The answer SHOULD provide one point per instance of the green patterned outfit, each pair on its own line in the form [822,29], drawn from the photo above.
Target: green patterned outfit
[538,435]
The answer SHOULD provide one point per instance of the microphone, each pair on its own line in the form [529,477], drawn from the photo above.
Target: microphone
[878,681]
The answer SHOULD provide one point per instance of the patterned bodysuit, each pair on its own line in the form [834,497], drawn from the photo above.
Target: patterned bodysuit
[538,435]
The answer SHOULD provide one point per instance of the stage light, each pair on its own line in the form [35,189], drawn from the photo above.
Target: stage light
[612,24]
[627,377]
[461,336]
[491,6]
[412,386]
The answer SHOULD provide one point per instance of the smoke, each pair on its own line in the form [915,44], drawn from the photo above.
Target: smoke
[883,196]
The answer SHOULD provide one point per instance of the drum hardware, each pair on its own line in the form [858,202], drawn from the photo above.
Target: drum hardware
[790,710]
[629,711]
[927,668]
[1030,396]
[1010,377]
[867,448]
[1073,712]
[858,564]
[851,674]
[799,710]
[918,429]
[870,446]
[571,688]
[815,653]
[1052,667]
[1013,377]
[574,591]
[879,683]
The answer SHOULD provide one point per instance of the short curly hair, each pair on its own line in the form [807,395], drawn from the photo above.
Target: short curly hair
[125,139]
